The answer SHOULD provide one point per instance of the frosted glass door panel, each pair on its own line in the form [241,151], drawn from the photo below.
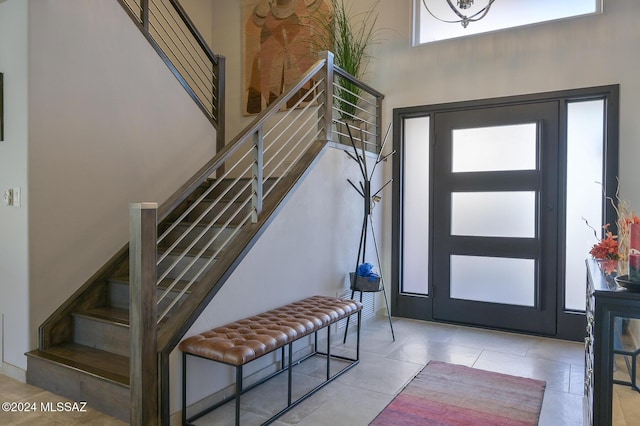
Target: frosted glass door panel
[415,237]
[493,279]
[494,214]
[585,145]
[485,149]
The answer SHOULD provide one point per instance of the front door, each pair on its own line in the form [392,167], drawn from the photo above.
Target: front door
[495,196]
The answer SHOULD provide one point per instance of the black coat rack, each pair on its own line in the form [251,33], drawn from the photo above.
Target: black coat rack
[369,199]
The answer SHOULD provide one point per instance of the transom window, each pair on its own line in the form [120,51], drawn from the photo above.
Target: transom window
[503,14]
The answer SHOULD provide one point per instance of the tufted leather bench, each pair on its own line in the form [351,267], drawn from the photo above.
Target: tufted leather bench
[243,341]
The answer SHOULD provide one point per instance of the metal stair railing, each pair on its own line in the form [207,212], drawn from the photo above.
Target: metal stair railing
[173,35]
[238,181]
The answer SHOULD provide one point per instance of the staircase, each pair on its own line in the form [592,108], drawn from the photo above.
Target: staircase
[93,365]
[200,235]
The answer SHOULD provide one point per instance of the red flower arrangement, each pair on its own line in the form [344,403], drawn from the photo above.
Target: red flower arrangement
[607,247]
[615,247]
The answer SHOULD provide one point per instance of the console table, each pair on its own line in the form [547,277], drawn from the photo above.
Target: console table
[611,349]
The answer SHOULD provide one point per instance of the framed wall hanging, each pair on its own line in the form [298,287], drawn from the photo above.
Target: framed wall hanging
[278,46]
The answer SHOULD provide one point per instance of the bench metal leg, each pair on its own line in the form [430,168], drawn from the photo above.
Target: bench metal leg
[358,336]
[184,388]
[238,392]
[329,352]
[289,378]
[285,365]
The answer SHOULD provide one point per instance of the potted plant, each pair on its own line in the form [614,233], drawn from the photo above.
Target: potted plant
[348,35]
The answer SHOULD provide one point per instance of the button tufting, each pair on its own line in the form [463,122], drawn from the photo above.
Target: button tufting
[245,340]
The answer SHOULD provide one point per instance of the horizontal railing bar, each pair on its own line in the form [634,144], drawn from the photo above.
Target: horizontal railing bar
[190,38]
[170,47]
[267,192]
[286,143]
[360,129]
[135,12]
[353,105]
[193,243]
[294,108]
[199,69]
[205,194]
[342,73]
[283,159]
[245,136]
[194,31]
[197,257]
[161,7]
[197,275]
[369,101]
[136,17]
[292,122]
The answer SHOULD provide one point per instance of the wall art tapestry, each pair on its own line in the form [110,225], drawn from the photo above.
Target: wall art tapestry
[278,46]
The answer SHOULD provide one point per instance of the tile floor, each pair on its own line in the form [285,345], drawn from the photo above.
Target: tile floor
[360,394]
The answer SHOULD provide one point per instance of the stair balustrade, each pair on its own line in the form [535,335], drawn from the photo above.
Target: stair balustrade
[181,253]
[227,203]
[173,35]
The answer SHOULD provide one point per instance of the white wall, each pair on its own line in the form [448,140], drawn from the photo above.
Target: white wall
[582,52]
[108,125]
[14,273]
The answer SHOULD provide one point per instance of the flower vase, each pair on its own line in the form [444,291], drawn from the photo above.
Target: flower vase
[610,266]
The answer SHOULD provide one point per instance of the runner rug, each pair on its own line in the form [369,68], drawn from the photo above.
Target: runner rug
[450,395]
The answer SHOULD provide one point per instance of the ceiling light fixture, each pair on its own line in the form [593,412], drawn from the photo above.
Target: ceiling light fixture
[462,6]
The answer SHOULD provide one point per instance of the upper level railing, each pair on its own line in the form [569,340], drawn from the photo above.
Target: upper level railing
[173,35]
[359,105]
[218,212]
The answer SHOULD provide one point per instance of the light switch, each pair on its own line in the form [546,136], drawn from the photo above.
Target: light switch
[7,197]
[12,197]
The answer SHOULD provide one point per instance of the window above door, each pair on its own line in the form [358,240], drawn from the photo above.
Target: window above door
[503,14]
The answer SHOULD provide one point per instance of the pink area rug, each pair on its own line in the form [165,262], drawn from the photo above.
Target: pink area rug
[454,395]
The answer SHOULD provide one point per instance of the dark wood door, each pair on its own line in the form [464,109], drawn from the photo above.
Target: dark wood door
[495,195]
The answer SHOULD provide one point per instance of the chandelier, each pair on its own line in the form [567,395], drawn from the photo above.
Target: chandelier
[459,11]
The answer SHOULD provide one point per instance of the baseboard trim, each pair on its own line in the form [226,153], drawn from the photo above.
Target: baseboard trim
[14,372]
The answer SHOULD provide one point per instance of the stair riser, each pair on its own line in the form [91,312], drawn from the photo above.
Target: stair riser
[101,335]
[102,395]
[119,296]
[192,272]
[214,232]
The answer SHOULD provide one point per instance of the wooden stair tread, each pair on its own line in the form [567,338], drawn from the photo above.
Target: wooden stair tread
[99,363]
[108,314]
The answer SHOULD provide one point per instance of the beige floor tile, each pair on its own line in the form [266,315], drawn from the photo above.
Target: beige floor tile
[561,409]
[557,350]
[556,374]
[386,367]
